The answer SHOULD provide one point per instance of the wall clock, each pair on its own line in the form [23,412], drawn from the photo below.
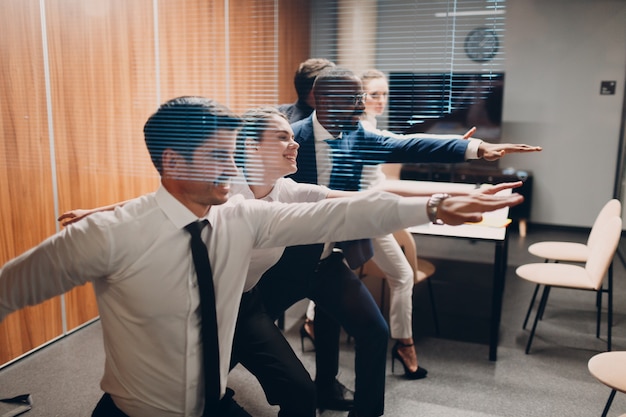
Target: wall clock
[481,44]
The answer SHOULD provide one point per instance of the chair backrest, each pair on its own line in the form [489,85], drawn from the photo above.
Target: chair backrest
[602,251]
[611,208]
[391,171]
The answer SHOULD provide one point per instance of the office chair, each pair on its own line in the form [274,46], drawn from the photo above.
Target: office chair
[610,369]
[560,251]
[588,277]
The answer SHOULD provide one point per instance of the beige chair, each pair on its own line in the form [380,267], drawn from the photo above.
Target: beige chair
[422,270]
[560,251]
[610,369]
[582,277]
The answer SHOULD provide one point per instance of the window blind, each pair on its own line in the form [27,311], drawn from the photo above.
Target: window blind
[444,58]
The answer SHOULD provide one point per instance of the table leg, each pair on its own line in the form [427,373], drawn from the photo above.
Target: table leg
[499,276]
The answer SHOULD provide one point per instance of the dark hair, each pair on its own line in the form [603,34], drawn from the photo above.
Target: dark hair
[306,74]
[184,123]
[332,81]
[255,122]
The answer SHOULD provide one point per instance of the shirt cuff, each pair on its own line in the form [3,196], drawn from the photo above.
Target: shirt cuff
[412,211]
[472,148]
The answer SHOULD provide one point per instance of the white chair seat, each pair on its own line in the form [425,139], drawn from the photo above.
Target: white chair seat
[610,369]
[587,277]
[557,275]
[562,251]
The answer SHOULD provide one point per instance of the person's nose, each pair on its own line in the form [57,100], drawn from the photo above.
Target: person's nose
[293,145]
[231,168]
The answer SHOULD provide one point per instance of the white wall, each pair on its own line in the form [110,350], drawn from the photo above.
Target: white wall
[556,53]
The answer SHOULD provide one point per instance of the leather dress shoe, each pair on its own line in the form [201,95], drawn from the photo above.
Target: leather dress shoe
[334,396]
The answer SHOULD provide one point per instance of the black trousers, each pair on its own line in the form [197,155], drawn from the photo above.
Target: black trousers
[107,408]
[262,349]
[341,300]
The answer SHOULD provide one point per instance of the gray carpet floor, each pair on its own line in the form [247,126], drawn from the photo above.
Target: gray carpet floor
[552,380]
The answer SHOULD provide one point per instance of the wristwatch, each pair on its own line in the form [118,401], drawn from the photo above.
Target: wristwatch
[433,206]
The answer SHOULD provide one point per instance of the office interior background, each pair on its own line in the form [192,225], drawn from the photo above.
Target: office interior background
[79,78]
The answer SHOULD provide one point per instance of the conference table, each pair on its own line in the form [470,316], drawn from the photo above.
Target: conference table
[493,229]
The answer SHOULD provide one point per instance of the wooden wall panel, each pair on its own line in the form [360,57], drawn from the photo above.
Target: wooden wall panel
[106,78]
[26,197]
[253,54]
[192,49]
[293,44]
[102,72]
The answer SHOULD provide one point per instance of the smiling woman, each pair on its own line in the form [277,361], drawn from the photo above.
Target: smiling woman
[266,149]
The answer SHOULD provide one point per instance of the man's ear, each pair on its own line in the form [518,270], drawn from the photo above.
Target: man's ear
[173,163]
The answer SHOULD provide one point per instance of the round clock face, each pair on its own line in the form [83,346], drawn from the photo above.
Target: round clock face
[481,44]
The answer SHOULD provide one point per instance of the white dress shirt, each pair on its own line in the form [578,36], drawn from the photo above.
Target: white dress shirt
[323,153]
[285,191]
[138,258]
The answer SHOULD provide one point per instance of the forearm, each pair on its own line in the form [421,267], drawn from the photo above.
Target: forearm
[409,188]
[369,214]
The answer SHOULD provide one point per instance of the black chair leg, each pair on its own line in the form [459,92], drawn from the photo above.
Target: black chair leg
[540,309]
[530,307]
[608,403]
[610,303]
[532,300]
[598,311]
[541,316]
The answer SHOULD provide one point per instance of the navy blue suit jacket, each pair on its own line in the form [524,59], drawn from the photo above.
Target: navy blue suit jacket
[361,147]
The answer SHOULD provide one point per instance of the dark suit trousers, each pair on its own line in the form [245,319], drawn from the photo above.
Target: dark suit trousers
[262,349]
[341,300]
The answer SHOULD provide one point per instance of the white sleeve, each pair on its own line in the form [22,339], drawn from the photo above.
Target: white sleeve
[369,214]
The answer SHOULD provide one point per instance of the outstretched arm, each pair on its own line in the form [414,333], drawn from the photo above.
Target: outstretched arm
[75,215]
[494,151]
[408,188]
[470,208]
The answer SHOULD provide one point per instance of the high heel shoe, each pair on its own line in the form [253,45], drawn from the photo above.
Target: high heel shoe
[306,332]
[395,355]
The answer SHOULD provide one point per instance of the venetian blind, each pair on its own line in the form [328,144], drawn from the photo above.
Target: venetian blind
[444,58]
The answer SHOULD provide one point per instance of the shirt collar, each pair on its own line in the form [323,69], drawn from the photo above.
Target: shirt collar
[319,132]
[178,214]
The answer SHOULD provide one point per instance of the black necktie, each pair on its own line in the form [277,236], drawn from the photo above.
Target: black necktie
[210,345]
[355,252]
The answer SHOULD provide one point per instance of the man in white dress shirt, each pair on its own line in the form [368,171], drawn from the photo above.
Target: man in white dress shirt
[139,260]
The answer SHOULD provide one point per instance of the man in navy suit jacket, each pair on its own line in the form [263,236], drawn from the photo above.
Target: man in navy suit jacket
[333,150]
[335,124]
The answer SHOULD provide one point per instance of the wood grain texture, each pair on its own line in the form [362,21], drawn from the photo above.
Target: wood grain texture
[253,54]
[102,72]
[109,69]
[26,197]
[193,49]
[293,44]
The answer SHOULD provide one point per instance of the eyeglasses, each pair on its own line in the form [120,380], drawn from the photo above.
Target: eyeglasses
[359,98]
[353,99]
